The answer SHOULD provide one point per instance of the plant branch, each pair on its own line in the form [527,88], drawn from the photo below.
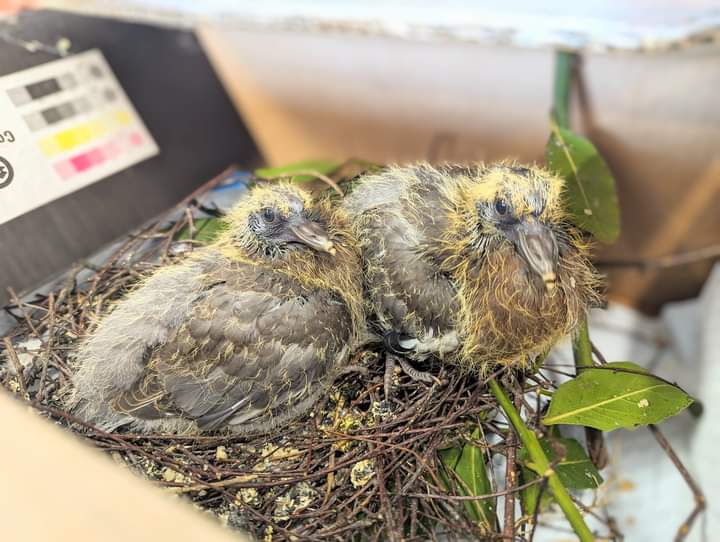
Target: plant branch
[13,357]
[511,474]
[582,347]
[669,261]
[564,71]
[700,502]
[582,353]
[542,464]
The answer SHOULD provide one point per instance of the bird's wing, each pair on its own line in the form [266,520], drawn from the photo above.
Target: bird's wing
[410,294]
[240,354]
[114,356]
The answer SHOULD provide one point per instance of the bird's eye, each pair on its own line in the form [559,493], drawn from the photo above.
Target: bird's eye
[268,214]
[501,206]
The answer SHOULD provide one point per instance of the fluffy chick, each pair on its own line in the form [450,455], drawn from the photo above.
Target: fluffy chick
[244,334]
[477,265]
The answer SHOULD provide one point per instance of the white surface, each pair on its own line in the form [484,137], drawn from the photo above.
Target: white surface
[594,24]
[35,181]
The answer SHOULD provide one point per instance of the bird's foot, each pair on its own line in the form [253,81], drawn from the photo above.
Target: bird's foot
[408,369]
[414,374]
[388,378]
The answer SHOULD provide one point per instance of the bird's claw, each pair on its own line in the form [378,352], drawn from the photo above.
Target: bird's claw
[408,369]
[414,374]
[389,372]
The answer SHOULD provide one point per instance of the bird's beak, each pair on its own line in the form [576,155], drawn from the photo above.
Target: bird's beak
[537,245]
[313,235]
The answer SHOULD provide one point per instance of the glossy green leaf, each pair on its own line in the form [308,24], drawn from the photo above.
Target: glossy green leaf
[619,394]
[468,464]
[300,172]
[206,230]
[590,191]
[576,471]
[530,495]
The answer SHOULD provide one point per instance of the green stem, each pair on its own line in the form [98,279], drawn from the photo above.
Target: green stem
[582,349]
[564,63]
[542,464]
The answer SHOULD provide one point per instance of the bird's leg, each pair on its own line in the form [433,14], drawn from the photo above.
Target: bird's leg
[408,369]
[389,372]
[414,374]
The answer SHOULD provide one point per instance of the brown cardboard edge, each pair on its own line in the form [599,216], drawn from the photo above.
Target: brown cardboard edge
[56,488]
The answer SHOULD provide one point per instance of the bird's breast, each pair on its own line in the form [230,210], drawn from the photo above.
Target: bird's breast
[506,315]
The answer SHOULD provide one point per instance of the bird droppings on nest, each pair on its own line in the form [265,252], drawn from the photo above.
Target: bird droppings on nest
[249,496]
[356,467]
[298,498]
[170,475]
[362,472]
[221,453]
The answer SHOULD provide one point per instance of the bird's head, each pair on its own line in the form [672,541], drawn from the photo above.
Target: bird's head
[511,205]
[277,219]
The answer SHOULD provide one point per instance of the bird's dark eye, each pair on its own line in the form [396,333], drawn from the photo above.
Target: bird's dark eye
[501,206]
[268,214]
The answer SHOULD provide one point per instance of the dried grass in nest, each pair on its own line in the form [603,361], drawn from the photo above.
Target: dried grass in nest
[356,468]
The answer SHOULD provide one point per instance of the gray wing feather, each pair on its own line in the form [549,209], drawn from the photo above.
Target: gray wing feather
[114,356]
[407,291]
[255,355]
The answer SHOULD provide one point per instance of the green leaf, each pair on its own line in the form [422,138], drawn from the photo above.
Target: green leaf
[299,172]
[470,470]
[590,187]
[530,494]
[206,230]
[576,471]
[619,394]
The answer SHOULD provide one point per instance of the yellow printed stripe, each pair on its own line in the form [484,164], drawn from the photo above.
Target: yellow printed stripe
[80,134]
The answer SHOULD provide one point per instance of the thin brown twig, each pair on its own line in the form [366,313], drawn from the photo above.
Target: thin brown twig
[48,344]
[698,495]
[12,355]
[665,262]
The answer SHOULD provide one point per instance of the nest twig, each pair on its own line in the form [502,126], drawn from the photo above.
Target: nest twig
[358,467]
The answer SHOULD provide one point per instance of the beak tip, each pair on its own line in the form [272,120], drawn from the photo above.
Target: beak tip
[550,280]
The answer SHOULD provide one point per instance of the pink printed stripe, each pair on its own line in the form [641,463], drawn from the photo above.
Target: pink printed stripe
[98,155]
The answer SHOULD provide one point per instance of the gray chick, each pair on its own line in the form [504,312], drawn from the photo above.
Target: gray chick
[477,265]
[245,334]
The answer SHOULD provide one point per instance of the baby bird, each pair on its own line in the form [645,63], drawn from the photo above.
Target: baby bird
[477,265]
[245,334]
